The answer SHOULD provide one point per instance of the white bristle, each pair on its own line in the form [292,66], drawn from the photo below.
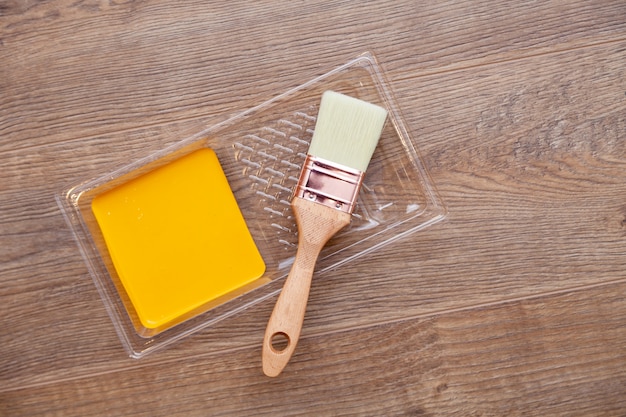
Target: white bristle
[347,130]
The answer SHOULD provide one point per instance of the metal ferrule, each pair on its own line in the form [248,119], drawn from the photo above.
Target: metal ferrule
[330,184]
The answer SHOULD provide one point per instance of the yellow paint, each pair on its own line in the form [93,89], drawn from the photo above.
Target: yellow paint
[177,239]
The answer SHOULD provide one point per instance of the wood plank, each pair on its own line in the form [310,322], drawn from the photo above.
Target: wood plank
[513,306]
[535,357]
[82,68]
[531,211]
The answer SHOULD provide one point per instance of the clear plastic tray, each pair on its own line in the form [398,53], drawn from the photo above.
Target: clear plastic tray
[261,152]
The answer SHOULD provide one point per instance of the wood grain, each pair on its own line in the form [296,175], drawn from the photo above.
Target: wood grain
[95,66]
[317,223]
[513,306]
[533,357]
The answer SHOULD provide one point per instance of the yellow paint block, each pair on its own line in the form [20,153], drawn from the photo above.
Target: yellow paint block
[177,240]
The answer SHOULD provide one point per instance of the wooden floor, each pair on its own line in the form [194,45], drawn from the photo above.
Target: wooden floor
[515,305]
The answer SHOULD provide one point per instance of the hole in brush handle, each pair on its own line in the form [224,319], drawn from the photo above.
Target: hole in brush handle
[280,342]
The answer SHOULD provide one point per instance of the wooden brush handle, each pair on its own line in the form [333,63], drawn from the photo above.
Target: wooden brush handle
[316,224]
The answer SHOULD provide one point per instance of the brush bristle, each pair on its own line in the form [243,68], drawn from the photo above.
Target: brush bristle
[347,130]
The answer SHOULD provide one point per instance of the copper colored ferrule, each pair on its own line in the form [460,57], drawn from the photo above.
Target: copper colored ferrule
[330,184]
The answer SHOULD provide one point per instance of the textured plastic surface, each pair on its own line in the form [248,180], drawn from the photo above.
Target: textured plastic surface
[261,152]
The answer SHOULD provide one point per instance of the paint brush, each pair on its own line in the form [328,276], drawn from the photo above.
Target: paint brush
[346,133]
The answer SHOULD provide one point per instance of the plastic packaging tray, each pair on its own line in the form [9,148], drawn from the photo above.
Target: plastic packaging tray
[261,152]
